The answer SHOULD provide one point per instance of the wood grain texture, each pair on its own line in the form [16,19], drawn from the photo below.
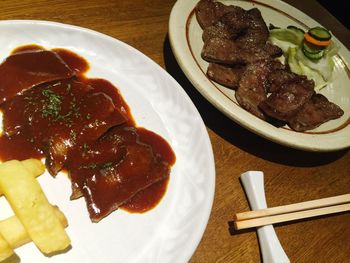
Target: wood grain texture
[290,175]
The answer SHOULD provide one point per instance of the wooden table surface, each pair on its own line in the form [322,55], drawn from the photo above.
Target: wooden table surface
[290,175]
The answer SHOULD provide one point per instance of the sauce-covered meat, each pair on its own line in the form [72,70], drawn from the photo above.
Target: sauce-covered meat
[108,179]
[24,70]
[59,116]
[85,127]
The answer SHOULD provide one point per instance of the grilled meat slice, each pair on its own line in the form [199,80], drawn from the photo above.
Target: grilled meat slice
[278,65]
[288,99]
[237,19]
[230,26]
[225,51]
[257,33]
[208,12]
[252,87]
[225,75]
[316,111]
[219,30]
[280,77]
[24,70]
[273,50]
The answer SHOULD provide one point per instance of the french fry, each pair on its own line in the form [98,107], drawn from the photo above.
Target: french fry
[32,208]
[5,249]
[34,166]
[16,235]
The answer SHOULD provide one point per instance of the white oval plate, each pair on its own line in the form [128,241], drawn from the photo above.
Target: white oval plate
[171,231]
[186,40]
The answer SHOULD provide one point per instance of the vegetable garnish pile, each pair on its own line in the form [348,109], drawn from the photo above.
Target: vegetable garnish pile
[307,53]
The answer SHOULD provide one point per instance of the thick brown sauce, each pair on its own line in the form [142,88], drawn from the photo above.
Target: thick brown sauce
[22,145]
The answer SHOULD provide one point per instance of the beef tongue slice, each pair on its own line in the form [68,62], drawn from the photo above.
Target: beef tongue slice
[273,50]
[208,12]
[24,70]
[252,87]
[219,30]
[316,111]
[225,75]
[256,33]
[59,116]
[280,77]
[288,99]
[115,180]
[226,51]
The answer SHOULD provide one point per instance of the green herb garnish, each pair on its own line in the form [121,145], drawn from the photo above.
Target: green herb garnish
[52,106]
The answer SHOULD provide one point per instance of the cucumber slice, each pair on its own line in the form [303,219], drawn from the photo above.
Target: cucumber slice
[320,33]
[296,29]
[311,48]
[313,56]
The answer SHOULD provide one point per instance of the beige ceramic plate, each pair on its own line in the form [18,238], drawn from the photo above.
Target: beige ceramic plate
[186,41]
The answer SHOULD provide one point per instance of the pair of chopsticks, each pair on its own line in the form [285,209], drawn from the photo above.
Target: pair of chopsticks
[279,214]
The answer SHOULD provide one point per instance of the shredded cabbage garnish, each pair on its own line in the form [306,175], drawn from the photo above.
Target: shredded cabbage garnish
[290,41]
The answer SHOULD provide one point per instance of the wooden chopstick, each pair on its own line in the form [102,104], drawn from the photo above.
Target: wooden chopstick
[335,200]
[291,212]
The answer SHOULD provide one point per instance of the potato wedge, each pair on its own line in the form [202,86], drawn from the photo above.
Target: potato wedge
[34,166]
[29,203]
[5,249]
[14,232]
